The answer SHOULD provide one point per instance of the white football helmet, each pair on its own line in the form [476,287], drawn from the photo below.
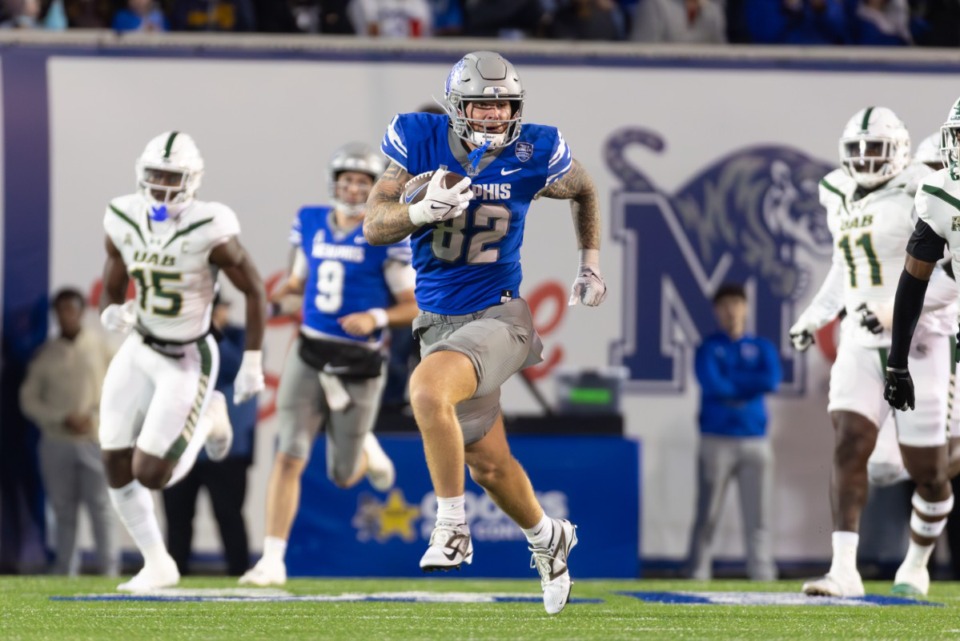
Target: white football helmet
[353,156]
[950,141]
[483,75]
[874,146]
[928,152]
[168,173]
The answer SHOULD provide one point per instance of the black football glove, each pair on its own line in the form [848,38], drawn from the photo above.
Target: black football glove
[898,389]
[868,319]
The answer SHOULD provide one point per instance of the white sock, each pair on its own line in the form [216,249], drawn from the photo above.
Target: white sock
[918,555]
[845,551]
[452,510]
[540,534]
[375,454]
[274,549]
[189,456]
[134,505]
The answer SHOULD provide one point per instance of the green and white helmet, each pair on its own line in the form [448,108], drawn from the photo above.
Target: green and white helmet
[483,75]
[168,173]
[950,141]
[353,156]
[874,146]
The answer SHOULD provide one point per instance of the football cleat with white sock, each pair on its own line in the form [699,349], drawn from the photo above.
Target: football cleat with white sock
[380,471]
[551,563]
[911,580]
[265,573]
[836,583]
[450,547]
[153,576]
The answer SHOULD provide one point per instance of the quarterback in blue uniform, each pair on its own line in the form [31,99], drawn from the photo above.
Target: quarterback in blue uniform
[333,379]
[474,328]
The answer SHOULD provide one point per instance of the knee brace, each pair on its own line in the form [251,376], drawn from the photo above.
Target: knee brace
[936,510]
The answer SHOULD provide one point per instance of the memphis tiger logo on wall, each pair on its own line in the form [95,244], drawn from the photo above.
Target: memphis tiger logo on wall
[752,217]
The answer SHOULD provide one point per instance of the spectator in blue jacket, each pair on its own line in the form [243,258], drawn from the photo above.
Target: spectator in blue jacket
[736,371]
[226,480]
[795,22]
[139,15]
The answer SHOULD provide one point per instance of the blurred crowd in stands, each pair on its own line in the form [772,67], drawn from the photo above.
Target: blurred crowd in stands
[933,23]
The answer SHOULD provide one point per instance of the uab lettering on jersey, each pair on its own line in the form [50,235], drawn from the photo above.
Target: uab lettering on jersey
[752,217]
[151,258]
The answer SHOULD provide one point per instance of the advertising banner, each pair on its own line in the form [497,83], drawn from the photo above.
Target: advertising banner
[591,481]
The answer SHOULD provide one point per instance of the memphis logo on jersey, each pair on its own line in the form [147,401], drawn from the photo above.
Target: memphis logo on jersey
[327,251]
[752,217]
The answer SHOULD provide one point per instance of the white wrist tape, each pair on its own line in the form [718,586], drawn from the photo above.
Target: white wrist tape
[379,317]
[252,358]
[590,258]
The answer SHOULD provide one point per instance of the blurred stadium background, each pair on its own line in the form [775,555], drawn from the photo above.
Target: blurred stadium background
[706,157]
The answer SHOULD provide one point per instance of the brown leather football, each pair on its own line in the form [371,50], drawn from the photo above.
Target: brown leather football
[416,187]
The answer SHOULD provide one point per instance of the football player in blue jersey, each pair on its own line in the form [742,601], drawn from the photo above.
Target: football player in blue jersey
[334,377]
[475,330]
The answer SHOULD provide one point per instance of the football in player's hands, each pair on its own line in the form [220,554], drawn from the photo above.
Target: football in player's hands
[416,188]
[436,196]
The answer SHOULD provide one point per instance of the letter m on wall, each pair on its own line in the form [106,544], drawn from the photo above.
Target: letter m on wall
[668,286]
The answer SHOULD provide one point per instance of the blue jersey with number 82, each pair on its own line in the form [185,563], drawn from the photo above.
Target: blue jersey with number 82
[344,273]
[472,262]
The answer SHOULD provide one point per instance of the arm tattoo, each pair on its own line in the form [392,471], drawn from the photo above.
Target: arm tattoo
[387,220]
[577,186]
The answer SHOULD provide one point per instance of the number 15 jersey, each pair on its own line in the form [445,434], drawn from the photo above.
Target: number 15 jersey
[472,262]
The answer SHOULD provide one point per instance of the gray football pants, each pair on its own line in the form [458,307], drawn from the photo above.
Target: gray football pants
[750,461]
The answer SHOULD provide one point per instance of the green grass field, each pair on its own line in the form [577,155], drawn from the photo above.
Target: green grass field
[28,612]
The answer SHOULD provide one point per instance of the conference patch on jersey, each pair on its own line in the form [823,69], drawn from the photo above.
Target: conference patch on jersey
[524,151]
[770,598]
[247,595]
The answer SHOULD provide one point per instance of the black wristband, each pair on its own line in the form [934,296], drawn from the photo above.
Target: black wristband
[907,307]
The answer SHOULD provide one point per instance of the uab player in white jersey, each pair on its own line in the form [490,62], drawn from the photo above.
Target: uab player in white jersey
[159,385]
[938,206]
[869,203]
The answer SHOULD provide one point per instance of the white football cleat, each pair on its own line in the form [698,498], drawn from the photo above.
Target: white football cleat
[450,547]
[551,563]
[152,577]
[220,438]
[911,581]
[842,584]
[265,573]
[380,470]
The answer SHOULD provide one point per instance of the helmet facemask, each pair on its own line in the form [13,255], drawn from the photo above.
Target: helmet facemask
[168,191]
[481,131]
[950,148]
[870,160]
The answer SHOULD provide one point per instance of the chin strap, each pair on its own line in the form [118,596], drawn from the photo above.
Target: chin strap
[477,154]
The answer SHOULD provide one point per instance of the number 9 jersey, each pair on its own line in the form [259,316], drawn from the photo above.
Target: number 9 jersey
[169,262]
[472,262]
[345,274]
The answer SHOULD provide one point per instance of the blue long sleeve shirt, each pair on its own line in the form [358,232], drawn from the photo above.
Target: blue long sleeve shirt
[734,376]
